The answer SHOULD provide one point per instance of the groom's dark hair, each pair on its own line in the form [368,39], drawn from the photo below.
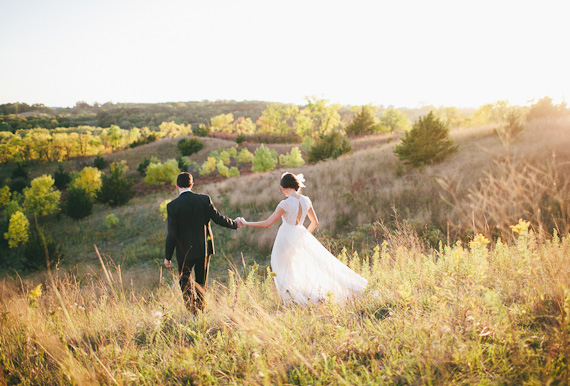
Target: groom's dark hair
[184,180]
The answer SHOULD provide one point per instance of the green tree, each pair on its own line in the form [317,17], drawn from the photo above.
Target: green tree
[331,145]
[364,122]
[292,159]
[78,203]
[41,198]
[544,108]
[265,159]
[17,230]
[318,118]
[428,142]
[222,123]
[394,120]
[116,189]
[278,119]
[89,179]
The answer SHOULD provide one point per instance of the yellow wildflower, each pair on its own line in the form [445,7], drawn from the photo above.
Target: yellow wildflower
[36,292]
[521,227]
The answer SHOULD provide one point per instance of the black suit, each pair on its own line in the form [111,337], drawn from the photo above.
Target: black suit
[190,234]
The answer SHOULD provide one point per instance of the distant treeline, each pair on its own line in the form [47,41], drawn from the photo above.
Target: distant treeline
[21,116]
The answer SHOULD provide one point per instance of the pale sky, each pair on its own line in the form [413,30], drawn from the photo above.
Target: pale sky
[354,52]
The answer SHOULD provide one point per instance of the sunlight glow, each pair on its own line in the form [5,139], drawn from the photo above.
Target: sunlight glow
[404,53]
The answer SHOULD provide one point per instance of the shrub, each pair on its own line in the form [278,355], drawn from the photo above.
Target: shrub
[187,147]
[141,168]
[209,166]
[265,159]
[328,146]
[183,163]
[240,139]
[41,198]
[17,230]
[162,209]
[111,221]
[292,159]
[61,178]
[78,203]
[225,171]
[202,130]
[244,156]
[100,162]
[428,142]
[89,179]
[162,174]
[115,190]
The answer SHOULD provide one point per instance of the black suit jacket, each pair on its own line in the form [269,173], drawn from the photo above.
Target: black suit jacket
[189,229]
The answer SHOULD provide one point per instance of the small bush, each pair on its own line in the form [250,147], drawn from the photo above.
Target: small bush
[202,130]
[115,190]
[111,221]
[141,168]
[187,147]
[209,166]
[328,146]
[265,159]
[227,172]
[244,156]
[78,203]
[428,142]
[292,159]
[240,139]
[183,163]
[100,163]
[61,178]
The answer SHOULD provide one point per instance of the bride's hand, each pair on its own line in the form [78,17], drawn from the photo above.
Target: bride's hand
[243,222]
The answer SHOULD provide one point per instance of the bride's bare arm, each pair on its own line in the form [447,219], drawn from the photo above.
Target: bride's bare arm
[314,220]
[267,223]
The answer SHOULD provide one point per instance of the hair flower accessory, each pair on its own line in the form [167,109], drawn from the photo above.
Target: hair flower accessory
[300,179]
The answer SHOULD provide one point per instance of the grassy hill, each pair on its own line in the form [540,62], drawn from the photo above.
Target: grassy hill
[462,311]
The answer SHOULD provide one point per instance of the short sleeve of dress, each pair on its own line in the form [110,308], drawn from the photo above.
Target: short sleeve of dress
[283,205]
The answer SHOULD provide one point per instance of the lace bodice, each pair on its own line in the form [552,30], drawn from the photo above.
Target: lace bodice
[291,207]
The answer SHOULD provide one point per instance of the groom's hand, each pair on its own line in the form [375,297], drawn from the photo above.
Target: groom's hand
[167,263]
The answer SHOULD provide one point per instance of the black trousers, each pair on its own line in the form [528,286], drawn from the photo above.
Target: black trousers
[194,290]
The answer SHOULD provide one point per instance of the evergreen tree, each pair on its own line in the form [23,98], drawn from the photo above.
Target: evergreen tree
[364,122]
[428,142]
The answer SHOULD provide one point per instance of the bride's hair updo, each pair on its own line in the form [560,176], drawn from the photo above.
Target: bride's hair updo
[290,181]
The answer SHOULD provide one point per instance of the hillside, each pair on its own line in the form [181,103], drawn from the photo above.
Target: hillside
[472,310]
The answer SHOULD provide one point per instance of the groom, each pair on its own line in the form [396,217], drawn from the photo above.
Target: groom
[190,234]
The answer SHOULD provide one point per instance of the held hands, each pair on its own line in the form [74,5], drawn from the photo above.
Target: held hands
[167,263]
[240,222]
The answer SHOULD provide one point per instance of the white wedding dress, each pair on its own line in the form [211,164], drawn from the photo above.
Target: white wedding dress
[305,270]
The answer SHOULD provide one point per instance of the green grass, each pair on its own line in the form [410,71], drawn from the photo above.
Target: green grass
[458,315]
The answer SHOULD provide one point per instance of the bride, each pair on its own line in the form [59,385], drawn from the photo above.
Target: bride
[305,270]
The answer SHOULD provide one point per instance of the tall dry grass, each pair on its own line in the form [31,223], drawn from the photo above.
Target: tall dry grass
[456,315]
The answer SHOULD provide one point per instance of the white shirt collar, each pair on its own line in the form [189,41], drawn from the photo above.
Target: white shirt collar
[184,191]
